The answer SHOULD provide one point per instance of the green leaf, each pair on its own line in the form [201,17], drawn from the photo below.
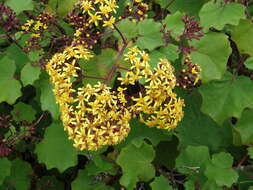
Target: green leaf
[211,185]
[249,63]
[217,16]
[61,7]
[65,6]
[169,52]
[250,188]
[141,131]
[7,68]
[52,5]
[191,7]
[23,112]
[35,55]
[167,152]
[12,87]
[16,54]
[20,172]
[7,82]
[195,157]
[5,166]
[20,5]
[99,66]
[56,151]
[29,74]
[47,98]
[99,165]
[151,37]
[131,158]
[189,185]
[245,127]
[162,3]
[227,97]
[198,129]
[11,93]
[161,183]
[83,181]
[212,54]
[250,152]
[243,37]
[127,28]
[174,24]
[220,170]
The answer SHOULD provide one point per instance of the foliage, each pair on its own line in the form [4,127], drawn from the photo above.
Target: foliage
[169,103]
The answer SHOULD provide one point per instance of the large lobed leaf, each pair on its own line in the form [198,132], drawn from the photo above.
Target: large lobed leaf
[217,16]
[220,170]
[227,97]
[13,90]
[151,37]
[243,36]
[135,162]
[212,52]
[56,151]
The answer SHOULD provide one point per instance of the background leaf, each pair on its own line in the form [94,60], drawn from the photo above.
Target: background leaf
[56,151]
[127,28]
[83,181]
[47,98]
[7,70]
[191,7]
[23,112]
[20,5]
[243,36]
[220,169]
[227,97]
[29,74]
[132,157]
[245,127]
[5,165]
[161,183]
[174,24]
[151,36]
[249,63]
[212,58]
[193,156]
[20,172]
[198,129]
[217,16]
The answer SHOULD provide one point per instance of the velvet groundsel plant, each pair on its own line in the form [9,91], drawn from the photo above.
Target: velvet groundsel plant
[126,94]
[96,116]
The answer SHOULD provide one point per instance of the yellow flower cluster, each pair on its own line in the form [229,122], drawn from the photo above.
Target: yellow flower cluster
[92,116]
[95,116]
[35,26]
[157,105]
[99,10]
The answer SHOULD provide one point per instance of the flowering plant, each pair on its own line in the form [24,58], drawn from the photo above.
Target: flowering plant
[126,94]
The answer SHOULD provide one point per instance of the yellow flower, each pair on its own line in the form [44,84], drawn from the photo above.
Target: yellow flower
[38,25]
[112,4]
[109,22]
[78,33]
[27,25]
[105,10]
[94,18]
[35,35]
[86,6]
